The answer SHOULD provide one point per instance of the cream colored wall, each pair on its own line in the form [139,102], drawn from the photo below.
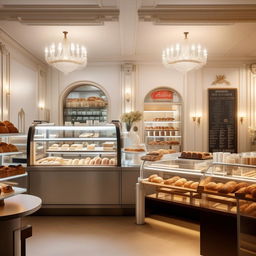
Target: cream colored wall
[23,82]
[106,76]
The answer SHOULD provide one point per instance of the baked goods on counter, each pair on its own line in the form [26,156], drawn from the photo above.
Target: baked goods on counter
[85,161]
[174,181]
[164,151]
[163,119]
[5,189]
[11,170]
[8,127]
[152,157]
[5,148]
[196,155]
[95,102]
[161,128]
[163,142]
[109,146]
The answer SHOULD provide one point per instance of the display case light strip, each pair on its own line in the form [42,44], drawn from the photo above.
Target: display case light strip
[168,136]
[164,122]
[75,139]
[160,111]
[233,177]
[178,170]
[76,128]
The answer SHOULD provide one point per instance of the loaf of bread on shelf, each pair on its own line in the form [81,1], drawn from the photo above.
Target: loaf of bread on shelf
[91,147]
[4,147]
[152,177]
[227,188]
[87,161]
[157,180]
[253,193]
[180,182]
[6,188]
[240,185]
[12,148]
[194,185]
[11,128]
[211,186]
[250,188]
[3,128]
[188,184]
[251,208]
[105,161]
[171,180]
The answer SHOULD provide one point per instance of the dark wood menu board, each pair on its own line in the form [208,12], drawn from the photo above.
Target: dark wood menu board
[222,120]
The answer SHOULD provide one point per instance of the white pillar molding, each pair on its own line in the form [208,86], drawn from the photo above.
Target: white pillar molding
[5,82]
[128,85]
[41,94]
[251,102]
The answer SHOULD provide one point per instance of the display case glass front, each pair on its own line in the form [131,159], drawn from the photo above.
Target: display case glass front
[74,145]
[216,186]
[163,119]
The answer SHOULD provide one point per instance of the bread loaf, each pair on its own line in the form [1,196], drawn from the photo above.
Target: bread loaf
[194,185]
[188,184]
[250,188]
[172,180]
[253,193]
[240,185]
[241,191]
[152,177]
[211,186]
[180,182]
[157,180]
[226,188]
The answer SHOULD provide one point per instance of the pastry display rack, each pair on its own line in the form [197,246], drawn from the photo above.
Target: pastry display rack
[199,183]
[10,157]
[163,122]
[85,104]
[95,145]
[20,141]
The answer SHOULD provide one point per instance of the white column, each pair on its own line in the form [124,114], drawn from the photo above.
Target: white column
[5,82]
[128,83]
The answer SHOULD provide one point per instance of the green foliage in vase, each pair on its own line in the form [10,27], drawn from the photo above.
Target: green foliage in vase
[131,117]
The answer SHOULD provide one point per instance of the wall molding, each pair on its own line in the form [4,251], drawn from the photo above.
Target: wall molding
[59,14]
[12,43]
[164,14]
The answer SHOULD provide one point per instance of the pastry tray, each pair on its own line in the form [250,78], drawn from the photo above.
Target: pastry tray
[15,192]
[207,158]
[13,177]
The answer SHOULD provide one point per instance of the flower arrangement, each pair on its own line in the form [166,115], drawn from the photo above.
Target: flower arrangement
[130,118]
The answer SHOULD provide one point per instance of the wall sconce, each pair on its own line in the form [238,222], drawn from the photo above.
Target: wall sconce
[241,118]
[197,118]
[127,96]
[41,105]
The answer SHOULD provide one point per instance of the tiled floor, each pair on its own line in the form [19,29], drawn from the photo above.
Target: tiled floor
[110,236]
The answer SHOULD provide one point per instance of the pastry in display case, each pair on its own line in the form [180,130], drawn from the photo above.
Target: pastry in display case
[202,183]
[163,119]
[74,145]
[85,104]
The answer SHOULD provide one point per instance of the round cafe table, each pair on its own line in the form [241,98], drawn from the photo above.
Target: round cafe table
[12,234]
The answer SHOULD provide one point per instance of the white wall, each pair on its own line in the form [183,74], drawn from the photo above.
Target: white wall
[106,76]
[23,92]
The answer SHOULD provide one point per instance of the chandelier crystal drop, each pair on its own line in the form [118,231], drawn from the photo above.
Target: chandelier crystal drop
[184,57]
[66,56]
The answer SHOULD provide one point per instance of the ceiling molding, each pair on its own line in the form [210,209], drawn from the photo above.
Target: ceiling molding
[59,14]
[198,14]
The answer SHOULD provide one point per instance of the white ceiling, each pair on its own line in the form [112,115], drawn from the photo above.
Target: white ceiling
[130,40]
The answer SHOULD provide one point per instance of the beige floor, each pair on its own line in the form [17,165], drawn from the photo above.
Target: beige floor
[110,236]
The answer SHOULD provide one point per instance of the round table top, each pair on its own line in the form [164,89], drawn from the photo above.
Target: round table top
[19,206]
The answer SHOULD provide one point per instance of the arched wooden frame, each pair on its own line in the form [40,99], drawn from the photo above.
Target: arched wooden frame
[72,87]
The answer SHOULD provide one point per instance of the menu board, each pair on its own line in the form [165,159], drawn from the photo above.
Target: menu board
[222,120]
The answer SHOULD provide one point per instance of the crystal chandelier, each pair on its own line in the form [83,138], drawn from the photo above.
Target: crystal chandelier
[66,56]
[184,57]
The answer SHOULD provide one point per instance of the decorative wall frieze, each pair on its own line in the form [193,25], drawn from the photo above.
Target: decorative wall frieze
[59,14]
[198,14]
[220,79]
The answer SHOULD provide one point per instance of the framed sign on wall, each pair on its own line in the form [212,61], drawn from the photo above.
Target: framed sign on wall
[222,107]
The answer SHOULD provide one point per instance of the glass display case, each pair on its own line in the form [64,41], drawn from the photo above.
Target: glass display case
[163,119]
[74,145]
[201,183]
